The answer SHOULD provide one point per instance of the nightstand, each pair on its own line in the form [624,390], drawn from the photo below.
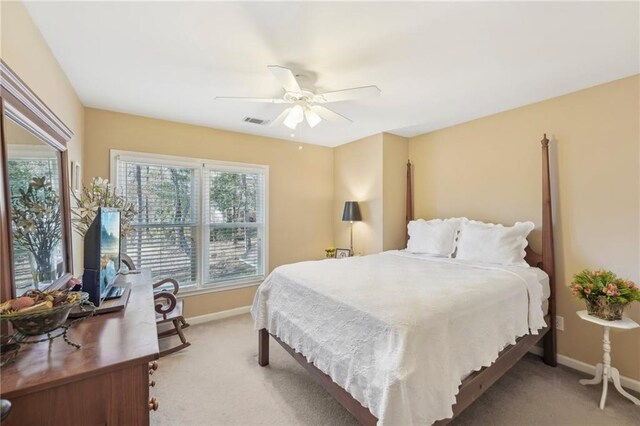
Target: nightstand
[604,370]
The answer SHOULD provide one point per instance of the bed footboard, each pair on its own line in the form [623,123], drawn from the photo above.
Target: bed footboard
[263,347]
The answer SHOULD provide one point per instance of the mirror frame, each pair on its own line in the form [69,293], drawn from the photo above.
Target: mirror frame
[20,104]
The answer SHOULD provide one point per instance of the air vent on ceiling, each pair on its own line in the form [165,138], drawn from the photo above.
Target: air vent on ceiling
[255,121]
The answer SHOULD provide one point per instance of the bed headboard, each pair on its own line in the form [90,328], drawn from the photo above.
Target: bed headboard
[543,260]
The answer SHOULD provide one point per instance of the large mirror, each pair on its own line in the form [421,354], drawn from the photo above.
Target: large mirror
[34,172]
[35,222]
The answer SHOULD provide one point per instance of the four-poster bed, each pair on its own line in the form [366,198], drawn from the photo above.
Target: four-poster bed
[477,382]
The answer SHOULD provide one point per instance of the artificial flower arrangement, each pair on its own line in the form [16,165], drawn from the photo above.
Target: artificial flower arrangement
[101,193]
[37,226]
[330,252]
[605,294]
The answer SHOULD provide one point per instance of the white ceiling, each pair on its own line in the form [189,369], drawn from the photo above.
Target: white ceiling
[437,64]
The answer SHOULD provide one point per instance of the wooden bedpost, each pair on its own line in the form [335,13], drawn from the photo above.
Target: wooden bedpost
[263,347]
[548,261]
[409,206]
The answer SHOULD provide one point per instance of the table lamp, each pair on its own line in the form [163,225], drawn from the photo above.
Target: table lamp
[351,214]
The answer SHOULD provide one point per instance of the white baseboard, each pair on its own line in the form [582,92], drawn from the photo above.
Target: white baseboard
[219,315]
[626,382]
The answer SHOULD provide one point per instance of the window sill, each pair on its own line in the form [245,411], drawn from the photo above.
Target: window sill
[213,288]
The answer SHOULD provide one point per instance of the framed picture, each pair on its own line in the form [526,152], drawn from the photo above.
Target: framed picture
[342,253]
[76,177]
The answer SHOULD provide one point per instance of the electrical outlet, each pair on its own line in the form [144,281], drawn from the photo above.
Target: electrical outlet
[559,323]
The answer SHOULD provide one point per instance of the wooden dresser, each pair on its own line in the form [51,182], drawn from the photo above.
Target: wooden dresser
[105,382]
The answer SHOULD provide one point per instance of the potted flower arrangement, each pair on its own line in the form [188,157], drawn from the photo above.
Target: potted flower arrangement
[101,193]
[605,294]
[37,226]
[330,252]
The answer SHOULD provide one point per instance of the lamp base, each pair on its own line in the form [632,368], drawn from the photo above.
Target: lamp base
[351,237]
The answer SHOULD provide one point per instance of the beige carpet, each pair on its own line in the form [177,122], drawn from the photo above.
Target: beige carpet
[217,381]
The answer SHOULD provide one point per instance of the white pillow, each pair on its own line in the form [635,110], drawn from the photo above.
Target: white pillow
[436,237]
[489,243]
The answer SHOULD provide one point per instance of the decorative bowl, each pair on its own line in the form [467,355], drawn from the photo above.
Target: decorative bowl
[33,324]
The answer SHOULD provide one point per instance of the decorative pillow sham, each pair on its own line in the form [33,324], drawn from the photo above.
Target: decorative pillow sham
[490,243]
[436,237]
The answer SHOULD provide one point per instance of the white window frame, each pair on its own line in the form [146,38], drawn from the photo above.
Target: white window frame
[202,216]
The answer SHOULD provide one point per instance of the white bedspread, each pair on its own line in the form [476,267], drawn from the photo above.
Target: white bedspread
[398,331]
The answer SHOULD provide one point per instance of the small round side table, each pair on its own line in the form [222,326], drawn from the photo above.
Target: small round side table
[604,370]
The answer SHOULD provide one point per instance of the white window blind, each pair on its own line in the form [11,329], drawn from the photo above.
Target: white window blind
[199,222]
[165,227]
[235,225]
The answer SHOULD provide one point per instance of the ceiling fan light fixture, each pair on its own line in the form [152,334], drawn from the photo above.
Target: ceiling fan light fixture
[312,118]
[304,103]
[290,124]
[295,117]
[297,114]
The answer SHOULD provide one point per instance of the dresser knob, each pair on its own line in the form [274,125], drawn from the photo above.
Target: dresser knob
[152,383]
[153,365]
[153,404]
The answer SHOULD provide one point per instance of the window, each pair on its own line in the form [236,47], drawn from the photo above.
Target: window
[235,224]
[198,221]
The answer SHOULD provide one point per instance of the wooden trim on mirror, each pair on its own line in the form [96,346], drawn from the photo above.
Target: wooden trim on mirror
[66,215]
[23,106]
[6,246]
[26,108]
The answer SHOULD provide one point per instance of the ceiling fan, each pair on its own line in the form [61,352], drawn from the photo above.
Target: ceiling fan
[306,104]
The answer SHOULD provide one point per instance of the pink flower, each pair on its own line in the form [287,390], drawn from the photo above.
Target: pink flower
[612,290]
[587,290]
[631,284]
[597,273]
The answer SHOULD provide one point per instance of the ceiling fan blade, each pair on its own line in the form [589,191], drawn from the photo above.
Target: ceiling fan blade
[347,94]
[286,78]
[329,115]
[280,118]
[261,100]
[312,117]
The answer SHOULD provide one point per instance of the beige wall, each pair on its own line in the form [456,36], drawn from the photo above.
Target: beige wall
[395,153]
[300,183]
[486,169]
[23,48]
[489,169]
[358,177]
[372,171]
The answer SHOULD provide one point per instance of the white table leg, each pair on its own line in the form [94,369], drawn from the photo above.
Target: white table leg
[596,379]
[606,346]
[615,375]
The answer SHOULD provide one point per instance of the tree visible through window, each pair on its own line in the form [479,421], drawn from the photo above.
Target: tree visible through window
[199,237]
[235,218]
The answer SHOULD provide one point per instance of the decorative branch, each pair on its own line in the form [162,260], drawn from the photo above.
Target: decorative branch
[37,225]
[100,193]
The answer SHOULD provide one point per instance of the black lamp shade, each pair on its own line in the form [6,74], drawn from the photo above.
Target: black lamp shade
[351,211]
